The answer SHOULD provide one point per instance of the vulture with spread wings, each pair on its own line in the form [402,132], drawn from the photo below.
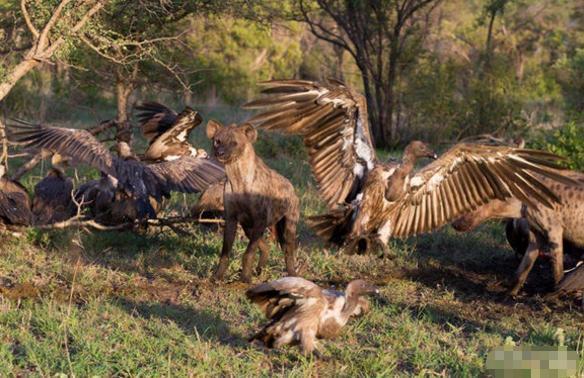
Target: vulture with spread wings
[371,201]
[167,132]
[139,180]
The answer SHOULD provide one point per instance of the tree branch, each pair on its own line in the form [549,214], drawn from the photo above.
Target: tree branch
[27,19]
[43,38]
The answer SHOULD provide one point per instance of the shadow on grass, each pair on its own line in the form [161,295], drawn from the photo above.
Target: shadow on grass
[478,265]
[202,323]
[131,252]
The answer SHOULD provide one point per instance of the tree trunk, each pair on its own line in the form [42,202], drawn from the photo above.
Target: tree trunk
[6,86]
[124,88]
[16,74]
[372,110]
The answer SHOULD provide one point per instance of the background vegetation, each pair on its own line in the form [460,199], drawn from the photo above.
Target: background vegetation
[140,304]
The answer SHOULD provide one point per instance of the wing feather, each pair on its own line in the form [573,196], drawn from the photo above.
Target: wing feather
[78,144]
[332,119]
[187,174]
[280,295]
[469,176]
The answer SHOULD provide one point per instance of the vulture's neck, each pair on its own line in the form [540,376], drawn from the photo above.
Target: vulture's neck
[408,162]
[351,303]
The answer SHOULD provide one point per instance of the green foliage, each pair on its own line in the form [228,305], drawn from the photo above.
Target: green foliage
[570,75]
[567,141]
[229,56]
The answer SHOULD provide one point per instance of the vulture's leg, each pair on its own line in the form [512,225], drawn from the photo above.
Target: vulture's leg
[228,238]
[557,254]
[526,264]
[264,254]
[308,341]
[254,236]
[284,339]
[286,229]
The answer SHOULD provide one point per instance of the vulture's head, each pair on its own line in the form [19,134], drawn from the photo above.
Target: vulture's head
[60,162]
[230,142]
[420,150]
[189,116]
[361,287]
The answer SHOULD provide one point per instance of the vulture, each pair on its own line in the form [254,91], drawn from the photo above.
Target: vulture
[53,201]
[573,282]
[107,204]
[167,132]
[138,180]
[370,201]
[15,207]
[299,311]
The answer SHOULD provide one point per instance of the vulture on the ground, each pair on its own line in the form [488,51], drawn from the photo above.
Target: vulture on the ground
[573,282]
[14,202]
[53,195]
[371,201]
[167,132]
[138,180]
[301,311]
[106,203]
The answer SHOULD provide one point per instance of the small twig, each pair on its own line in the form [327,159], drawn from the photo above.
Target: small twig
[103,126]
[80,221]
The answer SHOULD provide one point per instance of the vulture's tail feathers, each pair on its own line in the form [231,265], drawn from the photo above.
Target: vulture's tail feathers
[335,226]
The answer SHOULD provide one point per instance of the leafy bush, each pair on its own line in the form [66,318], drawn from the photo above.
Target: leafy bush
[567,141]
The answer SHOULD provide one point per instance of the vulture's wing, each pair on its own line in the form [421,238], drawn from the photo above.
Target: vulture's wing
[155,119]
[185,122]
[573,281]
[170,141]
[277,297]
[187,174]
[468,176]
[332,119]
[78,144]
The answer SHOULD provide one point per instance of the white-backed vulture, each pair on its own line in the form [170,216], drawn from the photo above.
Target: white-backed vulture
[371,201]
[53,195]
[140,181]
[15,206]
[167,132]
[301,311]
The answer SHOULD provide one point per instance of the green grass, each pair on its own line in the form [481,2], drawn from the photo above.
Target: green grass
[118,303]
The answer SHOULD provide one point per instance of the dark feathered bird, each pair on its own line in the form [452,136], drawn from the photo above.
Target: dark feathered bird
[573,282]
[140,181]
[14,202]
[167,132]
[301,311]
[371,201]
[53,195]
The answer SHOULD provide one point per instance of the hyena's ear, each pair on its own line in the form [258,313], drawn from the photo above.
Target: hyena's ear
[212,128]
[250,132]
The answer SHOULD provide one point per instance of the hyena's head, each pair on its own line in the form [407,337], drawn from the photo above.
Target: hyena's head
[230,142]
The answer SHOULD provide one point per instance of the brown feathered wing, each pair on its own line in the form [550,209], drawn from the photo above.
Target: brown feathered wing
[332,119]
[468,176]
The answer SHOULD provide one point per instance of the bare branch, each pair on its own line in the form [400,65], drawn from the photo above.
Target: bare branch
[103,54]
[43,38]
[172,71]
[80,221]
[76,28]
[27,19]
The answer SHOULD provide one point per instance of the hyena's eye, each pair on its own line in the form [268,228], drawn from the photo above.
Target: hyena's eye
[216,142]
